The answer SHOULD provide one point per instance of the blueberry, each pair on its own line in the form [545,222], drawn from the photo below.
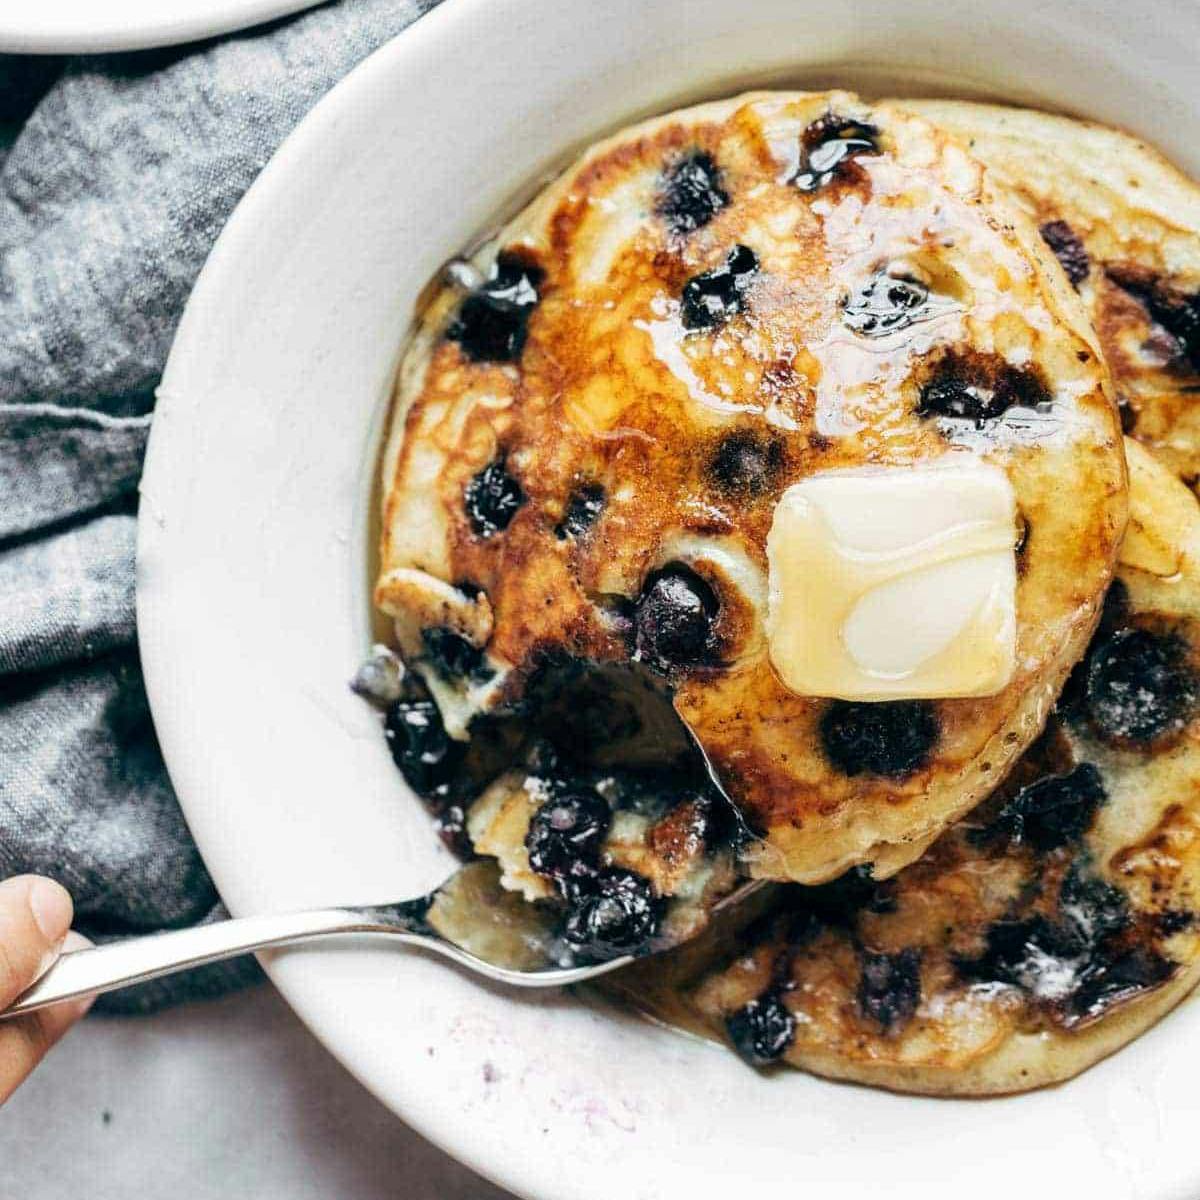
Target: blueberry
[827,145]
[1180,317]
[426,755]
[451,826]
[566,835]
[1051,812]
[380,679]
[1116,610]
[453,657]
[745,464]
[616,913]
[1103,983]
[1174,920]
[762,1030]
[889,988]
[673,620]
[1139,686]
[712,297]
[493,320]
[1023,953]
[1177,312]
[980,392]
[951,395]
[884,304]
[1115,615]
[583,510]
[1021,387]
[1095,908]
[492,498]
[1078,964]
[1068,249]
[891,738]
[1064,959]
[691,193]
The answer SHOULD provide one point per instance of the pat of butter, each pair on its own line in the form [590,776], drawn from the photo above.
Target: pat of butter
[895,583]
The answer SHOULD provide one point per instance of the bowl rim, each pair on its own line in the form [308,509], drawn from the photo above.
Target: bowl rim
[81,27]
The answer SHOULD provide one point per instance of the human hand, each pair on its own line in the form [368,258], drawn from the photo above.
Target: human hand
[35,919]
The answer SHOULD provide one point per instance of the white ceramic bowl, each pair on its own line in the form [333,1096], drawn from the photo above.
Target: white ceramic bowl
[91,26]
[253,597]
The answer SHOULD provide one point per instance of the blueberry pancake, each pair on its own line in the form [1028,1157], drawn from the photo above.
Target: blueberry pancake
[1125,225]
[733,355]
[1053,924]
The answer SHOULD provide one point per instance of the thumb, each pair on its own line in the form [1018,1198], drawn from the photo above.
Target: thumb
[35,915]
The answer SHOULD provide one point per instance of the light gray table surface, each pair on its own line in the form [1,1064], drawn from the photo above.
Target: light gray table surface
[226,1098]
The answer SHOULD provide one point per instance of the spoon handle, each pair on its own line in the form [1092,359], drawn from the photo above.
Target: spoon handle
[137,959]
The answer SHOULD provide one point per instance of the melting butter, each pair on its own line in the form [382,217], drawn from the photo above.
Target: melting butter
[895,583]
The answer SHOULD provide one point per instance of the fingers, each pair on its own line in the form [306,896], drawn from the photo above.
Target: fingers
[24,1041]
[35,916]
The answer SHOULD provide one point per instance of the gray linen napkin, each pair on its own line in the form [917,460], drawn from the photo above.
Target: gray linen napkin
[116,175]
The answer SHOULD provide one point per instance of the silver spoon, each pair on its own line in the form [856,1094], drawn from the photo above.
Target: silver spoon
[469,919]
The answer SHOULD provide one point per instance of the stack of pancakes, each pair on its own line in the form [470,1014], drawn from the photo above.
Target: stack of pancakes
[594,424]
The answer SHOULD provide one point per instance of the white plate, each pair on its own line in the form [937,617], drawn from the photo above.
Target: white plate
[93,26]
[253,598]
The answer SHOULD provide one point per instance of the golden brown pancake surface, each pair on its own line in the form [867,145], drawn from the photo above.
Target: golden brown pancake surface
[587,450]
[1049,927]
[1126,225]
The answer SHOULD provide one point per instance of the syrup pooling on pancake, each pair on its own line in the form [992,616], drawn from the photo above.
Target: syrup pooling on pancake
[589,449]
[1052,924]
[1125,226]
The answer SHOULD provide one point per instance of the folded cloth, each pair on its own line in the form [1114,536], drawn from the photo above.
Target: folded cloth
[116,175]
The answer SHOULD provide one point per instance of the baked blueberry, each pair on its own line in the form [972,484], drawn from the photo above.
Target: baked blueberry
[1022,953]
[1180,316]
[583,510]
[1105,982]
[615,913]
[420,746]
[1052,958]
[884,304]
[566,834]
[1096,908]
[1174,920]
[492,321]
[453,657]
[1068,249]
[951,394]
[889,988]
[1177,312]
[492,498]
[827,145]
[762,1030]
[892,738]
[745,464]
[1021,387]
[1139,686]
[712,297]
[1069,967]
[451,826]
[1115,615]
[673,620]
[963,391]
[691,193]
[1051,812]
